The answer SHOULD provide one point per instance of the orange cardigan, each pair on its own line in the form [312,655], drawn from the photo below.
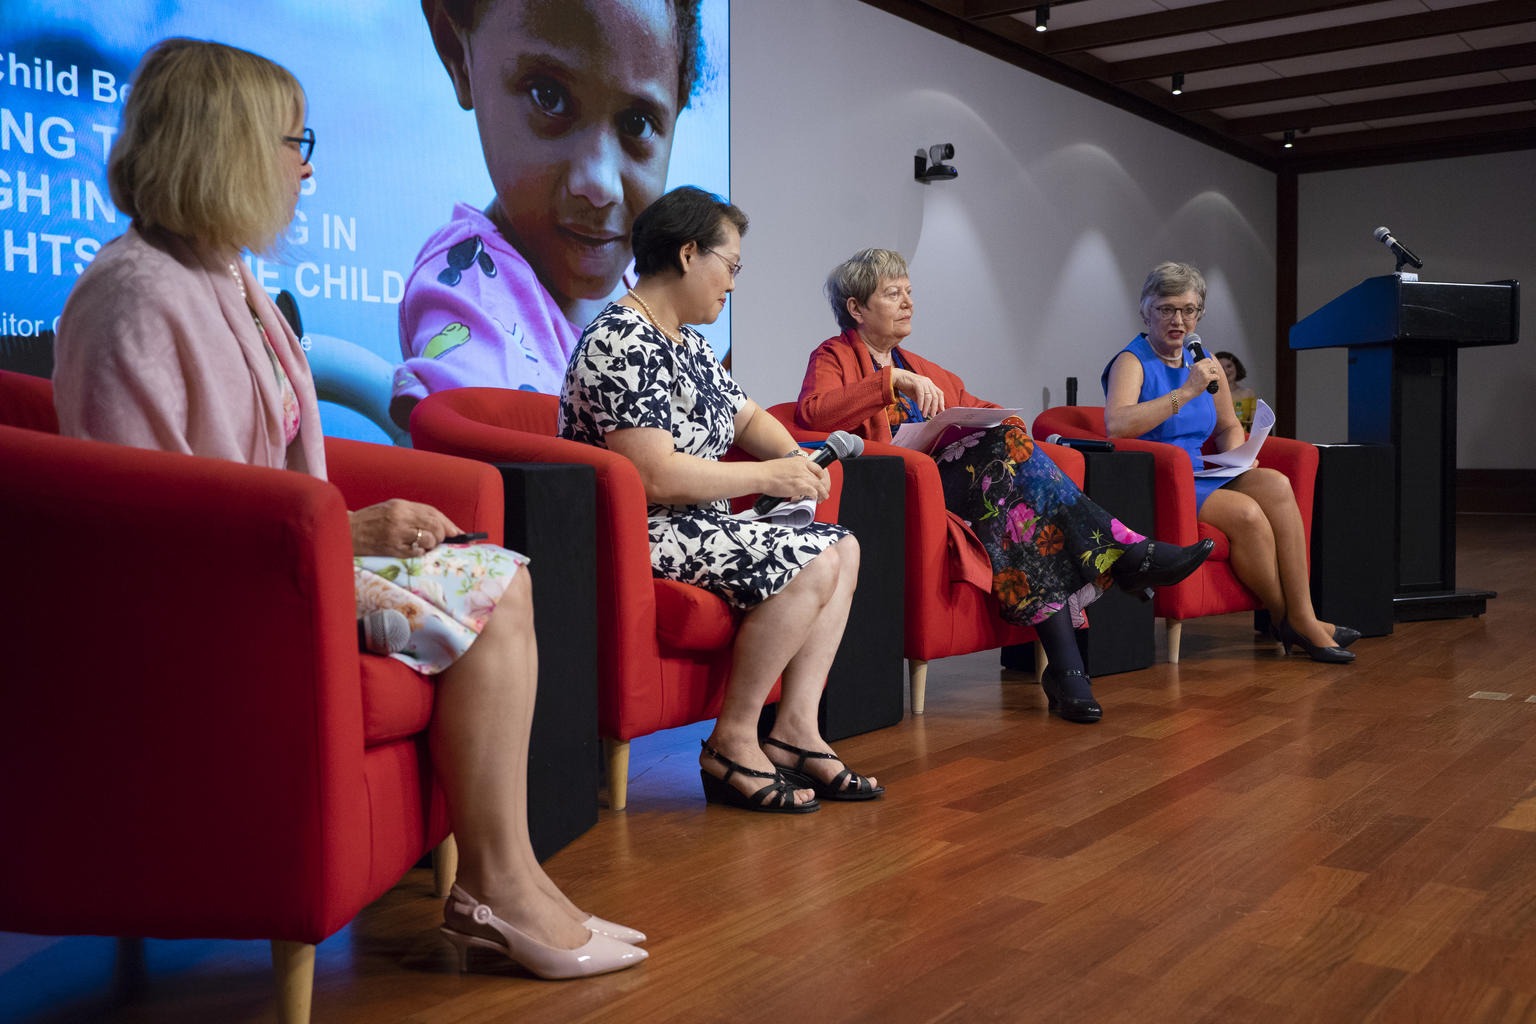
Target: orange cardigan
[843,391]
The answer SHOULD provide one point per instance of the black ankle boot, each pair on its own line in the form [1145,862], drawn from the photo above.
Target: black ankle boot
[1153,564]
[1069,694]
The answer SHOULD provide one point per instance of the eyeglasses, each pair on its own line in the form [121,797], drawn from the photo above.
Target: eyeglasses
[1169,312]
[735,268]
[305,142]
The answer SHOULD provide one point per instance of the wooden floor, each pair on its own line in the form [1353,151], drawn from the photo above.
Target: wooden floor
[1246,838]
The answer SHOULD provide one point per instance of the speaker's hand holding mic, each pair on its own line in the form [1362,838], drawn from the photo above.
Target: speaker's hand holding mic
[794,478]
[1210,370]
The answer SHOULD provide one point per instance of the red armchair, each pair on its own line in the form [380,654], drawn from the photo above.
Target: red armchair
[1214,588]
[944,617]
[665,651]
[191,739]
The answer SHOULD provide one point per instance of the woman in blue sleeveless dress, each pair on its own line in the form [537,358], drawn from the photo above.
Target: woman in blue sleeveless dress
[1153,390]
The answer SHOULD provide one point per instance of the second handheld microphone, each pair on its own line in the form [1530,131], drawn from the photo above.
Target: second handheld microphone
[1192,342]
[839,445]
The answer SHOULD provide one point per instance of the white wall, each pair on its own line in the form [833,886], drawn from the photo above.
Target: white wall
[1468,219]
[1028,266]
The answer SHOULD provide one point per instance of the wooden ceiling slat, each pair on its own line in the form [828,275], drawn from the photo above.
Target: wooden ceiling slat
[1414,141]
[1376,110]
[1449,65]
[976,10]
[1451,21]
[1183,21]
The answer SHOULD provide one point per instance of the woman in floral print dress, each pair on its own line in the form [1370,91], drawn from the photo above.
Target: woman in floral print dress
[646,385]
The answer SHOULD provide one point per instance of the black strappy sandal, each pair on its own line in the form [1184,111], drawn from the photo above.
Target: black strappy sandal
[846,785]
[778,797]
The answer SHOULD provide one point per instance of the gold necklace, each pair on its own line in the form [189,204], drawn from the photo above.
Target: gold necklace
[652,318]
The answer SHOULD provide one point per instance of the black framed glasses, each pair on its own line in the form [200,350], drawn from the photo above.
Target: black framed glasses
[1190,313]
[305,142]
[734,268]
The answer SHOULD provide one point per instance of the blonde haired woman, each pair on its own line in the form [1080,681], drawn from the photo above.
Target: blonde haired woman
[168,342]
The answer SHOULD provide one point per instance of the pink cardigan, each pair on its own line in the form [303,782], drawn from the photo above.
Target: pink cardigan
[156,349]
[842,391]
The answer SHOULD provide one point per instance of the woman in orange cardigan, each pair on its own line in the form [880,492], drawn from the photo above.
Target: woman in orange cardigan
[1051,548]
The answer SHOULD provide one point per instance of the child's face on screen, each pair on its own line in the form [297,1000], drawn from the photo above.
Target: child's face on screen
[576,101]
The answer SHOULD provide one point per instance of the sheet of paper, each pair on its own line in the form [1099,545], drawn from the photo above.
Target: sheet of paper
[921,436]
[797,514]
[1242,458]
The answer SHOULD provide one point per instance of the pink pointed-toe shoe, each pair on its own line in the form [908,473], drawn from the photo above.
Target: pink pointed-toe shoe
[598,955]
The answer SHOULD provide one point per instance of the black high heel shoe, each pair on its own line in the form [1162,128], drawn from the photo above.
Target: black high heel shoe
[1076,708]
[1287,637]
[1161,565]
[777,797]
[1344,636]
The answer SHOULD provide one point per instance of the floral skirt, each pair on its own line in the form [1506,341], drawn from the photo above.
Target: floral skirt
[1051,547]
[447,595]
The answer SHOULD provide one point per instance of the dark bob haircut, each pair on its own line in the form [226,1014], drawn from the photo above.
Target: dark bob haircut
[683,215]
[1237,364]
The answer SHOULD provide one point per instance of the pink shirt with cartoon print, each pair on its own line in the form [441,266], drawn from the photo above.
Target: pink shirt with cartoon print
[475,315]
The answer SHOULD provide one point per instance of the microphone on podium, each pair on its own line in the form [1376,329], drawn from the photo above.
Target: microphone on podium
[1401,251]
[1192,342]
[839,445]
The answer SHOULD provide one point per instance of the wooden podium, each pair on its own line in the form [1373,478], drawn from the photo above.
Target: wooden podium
[1403,335]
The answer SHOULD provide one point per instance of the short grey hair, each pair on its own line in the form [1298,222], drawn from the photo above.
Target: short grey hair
[1170,278]
[858,277]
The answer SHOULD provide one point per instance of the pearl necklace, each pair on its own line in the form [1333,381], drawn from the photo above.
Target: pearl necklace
[652,318]
[234,272]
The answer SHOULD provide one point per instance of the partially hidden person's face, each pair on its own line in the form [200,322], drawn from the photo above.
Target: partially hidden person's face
[576,102]
[887,316]
[709,276]
[1168,332]
[1230,369]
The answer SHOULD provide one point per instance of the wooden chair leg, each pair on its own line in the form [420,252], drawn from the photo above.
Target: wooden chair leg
[445,866]
[1175,634]
[1040,661]
[293,965]
[917,672]
[618,773]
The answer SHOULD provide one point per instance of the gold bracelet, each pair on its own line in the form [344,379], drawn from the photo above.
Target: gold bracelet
[1173,396]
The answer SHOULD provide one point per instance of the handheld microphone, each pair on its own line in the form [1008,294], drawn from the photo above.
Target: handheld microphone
[839,445]
[1082,444]
[383,631]
[1192,342]
[1399,250]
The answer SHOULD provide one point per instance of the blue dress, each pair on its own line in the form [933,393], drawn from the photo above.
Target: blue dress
[1191,426]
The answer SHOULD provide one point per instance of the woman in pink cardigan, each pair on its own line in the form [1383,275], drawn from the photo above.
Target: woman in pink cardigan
[1049,548]
[168,342]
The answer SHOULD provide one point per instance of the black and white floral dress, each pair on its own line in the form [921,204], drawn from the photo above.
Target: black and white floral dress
[625,373]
